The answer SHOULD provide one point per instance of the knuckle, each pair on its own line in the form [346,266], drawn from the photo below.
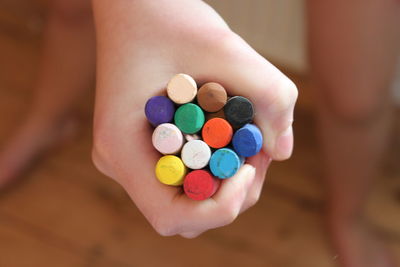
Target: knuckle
[98,162]
[293,91]
[102,142]
[102,152]
[162,226]
[229,214]
[286,95]
[190,235]
[253,199]
[222,43]
[163,230]
[228,43]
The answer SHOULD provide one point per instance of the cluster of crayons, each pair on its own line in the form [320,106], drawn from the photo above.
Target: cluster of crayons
[212,134]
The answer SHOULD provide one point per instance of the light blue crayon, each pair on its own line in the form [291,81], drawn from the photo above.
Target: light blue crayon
[224,163]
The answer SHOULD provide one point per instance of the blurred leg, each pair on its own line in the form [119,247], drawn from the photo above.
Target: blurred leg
[66,70]
[353,46]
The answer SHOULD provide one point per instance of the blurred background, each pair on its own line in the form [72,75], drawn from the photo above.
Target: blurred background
[65,213]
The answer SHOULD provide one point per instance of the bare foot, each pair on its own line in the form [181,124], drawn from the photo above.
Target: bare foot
[29,142]
[358,245]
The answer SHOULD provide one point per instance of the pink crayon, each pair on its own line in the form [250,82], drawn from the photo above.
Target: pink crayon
[167,139]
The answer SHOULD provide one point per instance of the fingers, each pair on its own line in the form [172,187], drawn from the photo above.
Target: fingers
[190,218]
[233,191]
[171,212]
[244,72]
[191,235]
[227,202]
[261,162]
[274,96]
[168,210]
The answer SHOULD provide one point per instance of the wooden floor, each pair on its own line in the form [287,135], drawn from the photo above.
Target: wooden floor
[65,213]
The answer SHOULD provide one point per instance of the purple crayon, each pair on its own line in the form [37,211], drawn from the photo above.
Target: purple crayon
[159,109]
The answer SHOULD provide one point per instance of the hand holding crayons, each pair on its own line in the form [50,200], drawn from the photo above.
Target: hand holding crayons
[224,125]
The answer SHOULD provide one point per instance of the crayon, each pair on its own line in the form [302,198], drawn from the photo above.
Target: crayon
[200,185]
[217,133]
[212,97]
[196,154]
[159,109]
[189,118]
[247,141]
[167,138]
[224,163]
[239,111]
[182,89]
[170,170]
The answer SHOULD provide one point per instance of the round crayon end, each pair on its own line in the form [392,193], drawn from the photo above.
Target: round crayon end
[167,138]
[217,133]
[182,89]
[200,185]
[170,170]
[239,111]
[189,118]
[224,163]
[247,141]
[196,154]
[159,109]
[212,97]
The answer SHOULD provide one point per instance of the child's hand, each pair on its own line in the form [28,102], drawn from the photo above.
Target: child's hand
[141,45]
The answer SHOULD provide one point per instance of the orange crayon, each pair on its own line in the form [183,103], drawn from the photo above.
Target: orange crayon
[217,133]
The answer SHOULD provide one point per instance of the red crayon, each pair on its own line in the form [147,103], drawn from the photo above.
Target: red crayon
[200,185]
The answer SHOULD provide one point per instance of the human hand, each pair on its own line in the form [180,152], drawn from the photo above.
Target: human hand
[141,45]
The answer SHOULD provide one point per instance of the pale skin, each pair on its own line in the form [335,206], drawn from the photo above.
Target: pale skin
[62,79]
[219,56]
[353,59]
[141,45]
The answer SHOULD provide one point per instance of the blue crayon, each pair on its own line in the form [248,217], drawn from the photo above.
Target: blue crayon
[159,109]
[224,163]
[247,141]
